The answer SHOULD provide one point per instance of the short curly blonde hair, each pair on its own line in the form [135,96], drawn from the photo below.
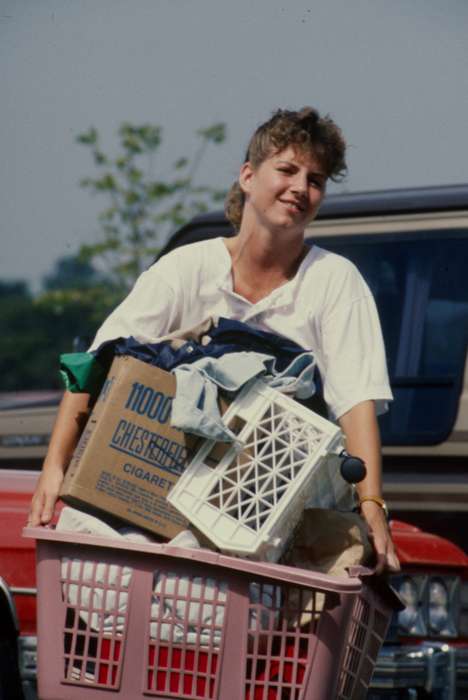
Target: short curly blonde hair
[304,129]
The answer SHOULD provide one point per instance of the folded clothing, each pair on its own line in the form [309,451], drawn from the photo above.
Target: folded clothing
[215,337]
[183,608]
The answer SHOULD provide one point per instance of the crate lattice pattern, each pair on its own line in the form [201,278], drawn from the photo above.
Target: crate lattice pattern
[185,633]
[275,452]
[368,631]
[95,623]
[281,641]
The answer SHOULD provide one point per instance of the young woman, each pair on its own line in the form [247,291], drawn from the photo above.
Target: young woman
[266,276]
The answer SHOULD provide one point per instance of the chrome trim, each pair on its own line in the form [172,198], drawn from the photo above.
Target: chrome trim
[29,690]
[462,667]
[430,666]
[27,656]
[18,590]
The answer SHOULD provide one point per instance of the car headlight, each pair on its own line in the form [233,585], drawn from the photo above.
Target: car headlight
[410,620]
[438,606]
[432,605]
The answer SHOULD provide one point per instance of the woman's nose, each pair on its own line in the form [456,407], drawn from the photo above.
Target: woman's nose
[299,184]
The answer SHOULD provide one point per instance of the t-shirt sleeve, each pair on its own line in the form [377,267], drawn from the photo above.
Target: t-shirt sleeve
[151,309]
[355,367]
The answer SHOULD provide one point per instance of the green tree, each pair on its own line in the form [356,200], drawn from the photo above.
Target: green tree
[76,289]
[81,290]
[70,272]
[14,289]
[141,209]
[37,329]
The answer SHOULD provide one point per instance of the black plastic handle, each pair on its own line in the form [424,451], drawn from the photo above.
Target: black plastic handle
[353,470]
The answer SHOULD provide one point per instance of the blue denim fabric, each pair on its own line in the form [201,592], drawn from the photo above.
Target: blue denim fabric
[195,406]
[282,362]
[225,337]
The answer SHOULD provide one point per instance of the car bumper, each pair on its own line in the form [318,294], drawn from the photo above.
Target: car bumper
[436,668]
[462,671]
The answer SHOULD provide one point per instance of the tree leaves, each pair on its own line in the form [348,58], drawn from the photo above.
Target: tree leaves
[88,138]
[139,210]
[142,210]
[215,133]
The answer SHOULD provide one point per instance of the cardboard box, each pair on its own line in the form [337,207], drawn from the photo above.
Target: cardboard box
[129,456]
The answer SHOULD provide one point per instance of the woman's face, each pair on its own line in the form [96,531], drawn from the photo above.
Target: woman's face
[286,189]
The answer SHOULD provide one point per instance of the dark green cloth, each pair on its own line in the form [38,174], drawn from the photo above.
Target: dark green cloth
[82,373]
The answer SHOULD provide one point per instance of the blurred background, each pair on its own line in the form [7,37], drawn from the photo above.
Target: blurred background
[121,119]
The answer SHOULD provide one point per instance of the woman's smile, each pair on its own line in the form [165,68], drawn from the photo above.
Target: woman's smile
[293,205]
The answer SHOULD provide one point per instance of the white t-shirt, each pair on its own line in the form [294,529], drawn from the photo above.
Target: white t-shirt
[327,308]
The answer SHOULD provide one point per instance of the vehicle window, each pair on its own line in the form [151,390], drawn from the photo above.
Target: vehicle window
[420,284]
[26,420]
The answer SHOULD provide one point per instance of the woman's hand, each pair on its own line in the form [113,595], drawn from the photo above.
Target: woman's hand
[71,419]
[379,534]
[45,496]
[360,427]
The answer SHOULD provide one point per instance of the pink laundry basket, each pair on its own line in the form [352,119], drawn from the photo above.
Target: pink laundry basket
[134,621]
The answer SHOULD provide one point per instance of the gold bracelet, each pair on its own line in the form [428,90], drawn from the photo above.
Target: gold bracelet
[376,499]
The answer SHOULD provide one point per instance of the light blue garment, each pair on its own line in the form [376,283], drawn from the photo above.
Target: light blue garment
[297,379]
[195,406]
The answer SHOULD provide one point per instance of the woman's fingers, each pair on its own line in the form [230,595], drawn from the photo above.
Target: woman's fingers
[387,559]
[35,513]
[48,508]
[45,497]
[380,564]
[392,561]
[42,508]
[380,551]
[379,533]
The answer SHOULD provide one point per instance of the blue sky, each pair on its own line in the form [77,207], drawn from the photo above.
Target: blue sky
[394,75]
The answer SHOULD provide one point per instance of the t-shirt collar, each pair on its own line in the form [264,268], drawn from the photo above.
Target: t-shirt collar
[281,296]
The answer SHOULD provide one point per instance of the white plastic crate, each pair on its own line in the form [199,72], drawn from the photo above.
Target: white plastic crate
[248,497]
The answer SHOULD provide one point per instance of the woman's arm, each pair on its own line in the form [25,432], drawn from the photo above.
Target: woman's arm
[71,419]
[153,308]
[363,440]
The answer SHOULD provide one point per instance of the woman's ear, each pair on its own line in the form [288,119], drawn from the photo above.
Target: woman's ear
[245,177]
